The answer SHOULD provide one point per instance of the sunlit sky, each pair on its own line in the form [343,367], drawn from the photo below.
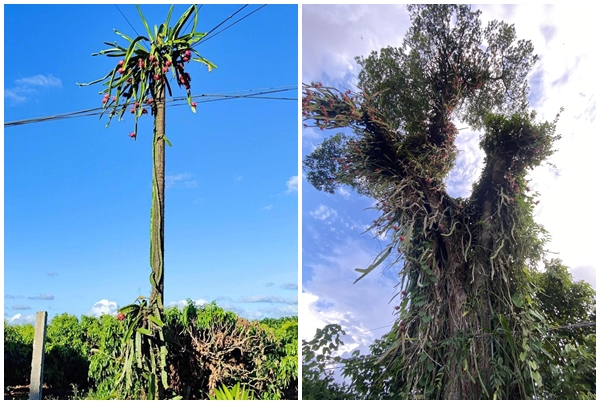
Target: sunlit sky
[77,195]
[332,225]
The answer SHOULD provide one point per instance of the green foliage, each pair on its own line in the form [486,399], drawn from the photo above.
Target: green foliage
[103,336]
[206,347]
[18,349]
[318,357]
[218,348]
[442,62]
[364,376]
[235,393]
[568,362]
[66,361]
[143,358]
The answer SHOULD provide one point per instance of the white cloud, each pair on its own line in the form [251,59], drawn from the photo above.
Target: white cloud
[40,80]
[103,306]
[20,307]
[351,30]
[27,86]
[268,207]
[184,179]
[45,296]
[249,314]
[14,95]
[269,299]
[331,296]
[311,318]
[343,192]
[324,212]
[292,184]
[19,319]
[289,310]
[584,273]
[469,164]
[309,135]
[182,303]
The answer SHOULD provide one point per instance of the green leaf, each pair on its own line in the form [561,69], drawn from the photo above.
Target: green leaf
[132,46]
[93,82]
[138,348]
[156,321]
[206,62]
[123,35]
[537,377]
[517,299]
[130,308]
[382,256]
[145,23]
[182,20]
[166,24]
[144,331]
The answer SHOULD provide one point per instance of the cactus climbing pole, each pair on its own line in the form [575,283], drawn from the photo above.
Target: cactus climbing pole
[138,80]
[157,215]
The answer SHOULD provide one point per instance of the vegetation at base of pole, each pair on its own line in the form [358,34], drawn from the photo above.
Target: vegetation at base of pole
[207,347]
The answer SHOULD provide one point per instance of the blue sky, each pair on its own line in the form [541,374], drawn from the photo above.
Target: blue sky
[333,243]
[77,195]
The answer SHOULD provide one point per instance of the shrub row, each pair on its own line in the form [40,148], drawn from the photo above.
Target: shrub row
[207,347]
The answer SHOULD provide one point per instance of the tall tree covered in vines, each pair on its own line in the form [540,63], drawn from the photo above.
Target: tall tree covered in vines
[468,326]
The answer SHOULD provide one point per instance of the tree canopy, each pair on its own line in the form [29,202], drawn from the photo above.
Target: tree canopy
[469,326]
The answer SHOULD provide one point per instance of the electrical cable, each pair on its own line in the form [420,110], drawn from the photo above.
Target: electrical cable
[202,98]
[207,37]
[127,20]
[223,22]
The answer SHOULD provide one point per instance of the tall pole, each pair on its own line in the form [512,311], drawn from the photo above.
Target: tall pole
[157,226]
[157,239]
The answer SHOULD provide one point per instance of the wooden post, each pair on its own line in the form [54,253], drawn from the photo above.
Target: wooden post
[37,360]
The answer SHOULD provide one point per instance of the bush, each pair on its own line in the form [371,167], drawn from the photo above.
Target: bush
[18,350]
[207,347]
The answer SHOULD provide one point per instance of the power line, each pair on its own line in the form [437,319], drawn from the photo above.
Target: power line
[225,20]
[127,20]
[207,37]
[202,98]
